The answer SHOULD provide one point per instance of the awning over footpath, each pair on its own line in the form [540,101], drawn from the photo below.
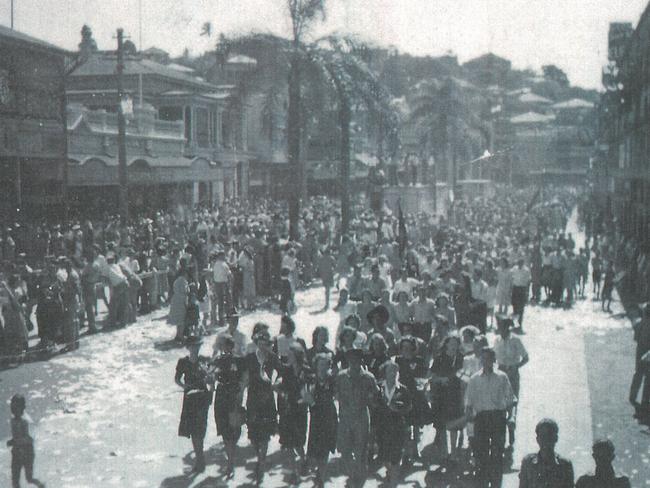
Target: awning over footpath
[99,170]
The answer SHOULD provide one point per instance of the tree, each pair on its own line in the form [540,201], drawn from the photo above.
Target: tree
[342,62]
[553,73]
[87,46]
[129,47]
[303,15]
[447,115]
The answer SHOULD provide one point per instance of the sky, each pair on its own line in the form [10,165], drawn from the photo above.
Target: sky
[569,33]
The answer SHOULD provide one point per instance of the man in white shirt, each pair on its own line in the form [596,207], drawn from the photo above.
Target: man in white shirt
[404,284]
[221,278]
[511,355]
[521,279]
[488,398]
[119,292]
[231,329]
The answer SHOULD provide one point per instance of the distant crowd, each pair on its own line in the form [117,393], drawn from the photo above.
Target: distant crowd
[416,297]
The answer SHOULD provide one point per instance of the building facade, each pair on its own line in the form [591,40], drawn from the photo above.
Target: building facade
[625,127]
[32,127]
[186,138]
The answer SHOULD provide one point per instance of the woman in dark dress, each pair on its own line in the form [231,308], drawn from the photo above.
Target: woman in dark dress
[346,340]
[413,375]
[375,359]
[323,417]
[393,406]
[192,376]
[446,392]
[292,408]
[261,413]
[228,412]
[377,355]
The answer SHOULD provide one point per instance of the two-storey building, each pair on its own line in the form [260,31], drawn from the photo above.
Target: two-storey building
[627,131]
[32,127]
[186,138]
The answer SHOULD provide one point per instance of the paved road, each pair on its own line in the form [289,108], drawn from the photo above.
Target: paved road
[106,415]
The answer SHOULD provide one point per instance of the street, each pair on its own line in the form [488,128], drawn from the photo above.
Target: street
[107,414]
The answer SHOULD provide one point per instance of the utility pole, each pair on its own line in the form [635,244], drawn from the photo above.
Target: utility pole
[121,134]
[12,14]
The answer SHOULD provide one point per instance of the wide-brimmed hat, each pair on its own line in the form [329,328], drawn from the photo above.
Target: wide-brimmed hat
[471,329]
[379,311]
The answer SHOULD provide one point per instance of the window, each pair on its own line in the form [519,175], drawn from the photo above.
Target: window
[225,130]
[188,124]
[171,114]
[214,129]
[202,127]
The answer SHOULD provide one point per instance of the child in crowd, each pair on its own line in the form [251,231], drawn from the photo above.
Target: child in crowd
[21,443]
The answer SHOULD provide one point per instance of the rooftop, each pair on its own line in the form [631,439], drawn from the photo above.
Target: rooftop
[104,65]
[532,98]
[574,103]
[241,59]
[14,35]
[531,118]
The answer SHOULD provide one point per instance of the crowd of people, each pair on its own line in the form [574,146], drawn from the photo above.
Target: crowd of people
[622,259]
[417,296]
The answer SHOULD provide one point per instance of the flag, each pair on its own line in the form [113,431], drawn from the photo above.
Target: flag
[402,237]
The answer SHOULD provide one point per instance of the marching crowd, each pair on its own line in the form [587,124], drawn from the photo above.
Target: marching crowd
[416,298]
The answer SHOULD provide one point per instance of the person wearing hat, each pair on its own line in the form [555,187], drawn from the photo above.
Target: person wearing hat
[192,376]
[356,391]
[488,399]
[261,412]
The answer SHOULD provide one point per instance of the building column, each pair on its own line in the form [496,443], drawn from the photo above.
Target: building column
[195,192]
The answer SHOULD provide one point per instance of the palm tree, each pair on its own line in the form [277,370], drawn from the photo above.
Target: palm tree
[342,64]
[448,118]
[303,15]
